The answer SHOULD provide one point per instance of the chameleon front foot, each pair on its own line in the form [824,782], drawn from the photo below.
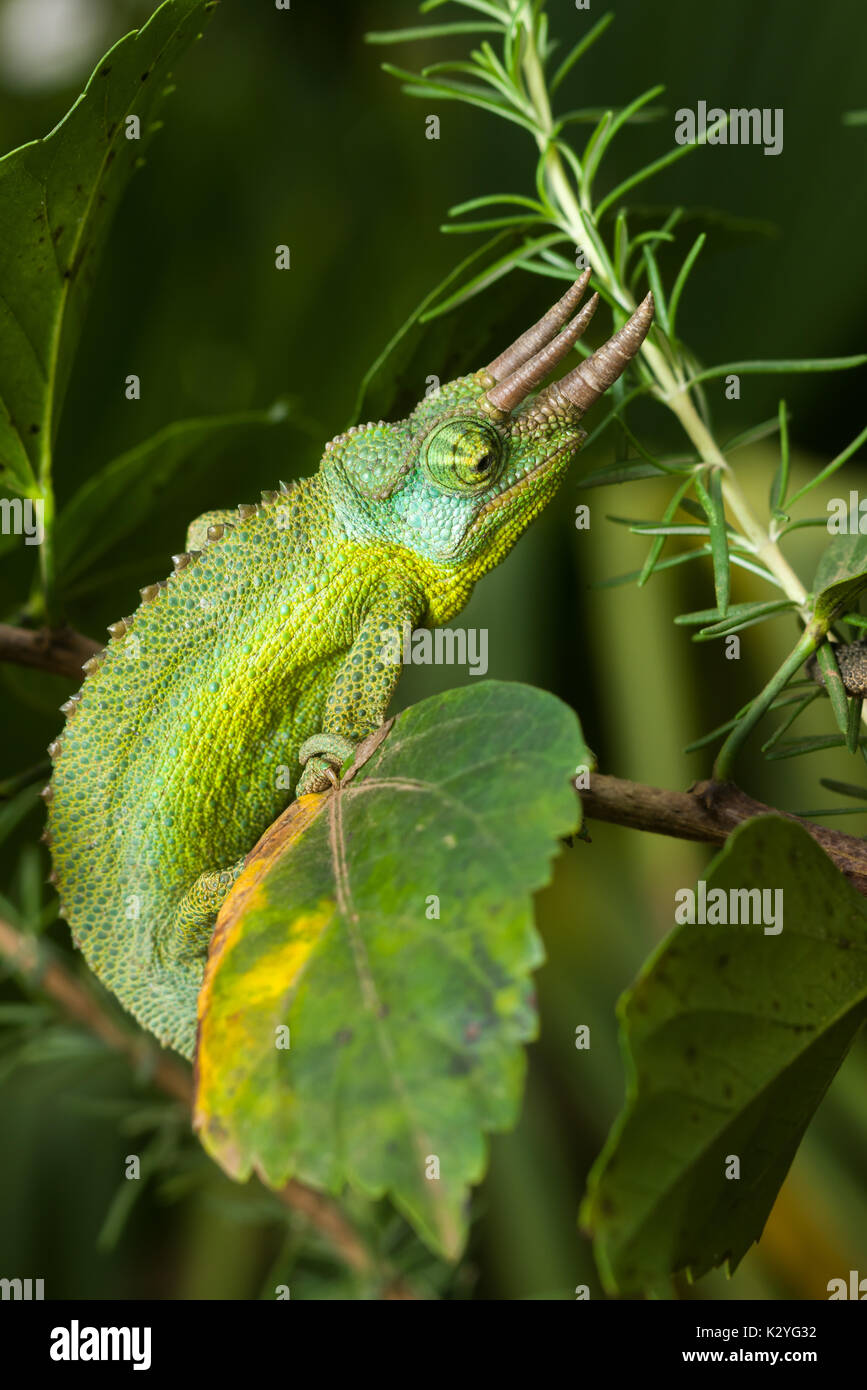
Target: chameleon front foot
[193,925]
[322,757]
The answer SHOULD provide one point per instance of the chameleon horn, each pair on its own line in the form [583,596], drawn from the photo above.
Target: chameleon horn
[587,382]
[518,384]
[523,348]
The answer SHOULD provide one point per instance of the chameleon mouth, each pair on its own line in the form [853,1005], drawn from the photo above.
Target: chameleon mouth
[504,498]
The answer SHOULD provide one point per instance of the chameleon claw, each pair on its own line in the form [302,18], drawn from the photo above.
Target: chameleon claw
[334,747]
[322,757]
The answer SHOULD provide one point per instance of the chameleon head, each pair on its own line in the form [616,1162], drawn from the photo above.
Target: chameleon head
[463,476]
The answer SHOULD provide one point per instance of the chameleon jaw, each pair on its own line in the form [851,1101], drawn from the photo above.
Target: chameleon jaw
[521,485]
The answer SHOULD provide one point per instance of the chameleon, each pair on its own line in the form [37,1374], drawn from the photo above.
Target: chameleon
[258,663]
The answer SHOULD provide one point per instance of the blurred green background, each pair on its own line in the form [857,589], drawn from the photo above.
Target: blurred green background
[283,129]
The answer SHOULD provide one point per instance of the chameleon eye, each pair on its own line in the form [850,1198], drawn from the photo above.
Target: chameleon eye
[463,455]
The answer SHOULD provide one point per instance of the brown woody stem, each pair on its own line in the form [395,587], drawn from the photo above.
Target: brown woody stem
[709,812]
[61,651]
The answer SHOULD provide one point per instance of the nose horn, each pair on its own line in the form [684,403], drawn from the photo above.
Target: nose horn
[515,387]
[581,387]
[541,333]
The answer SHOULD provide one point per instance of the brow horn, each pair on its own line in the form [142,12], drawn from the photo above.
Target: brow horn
[541,333]
[518,384]
[590,379]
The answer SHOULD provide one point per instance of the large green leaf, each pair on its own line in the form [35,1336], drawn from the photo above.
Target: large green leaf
[57,198]
[841,576]
[732,1037]
[405,1026]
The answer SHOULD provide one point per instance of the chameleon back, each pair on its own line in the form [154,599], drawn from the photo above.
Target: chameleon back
[181,749]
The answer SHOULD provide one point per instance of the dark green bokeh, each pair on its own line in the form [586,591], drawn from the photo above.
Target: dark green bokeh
[283,129]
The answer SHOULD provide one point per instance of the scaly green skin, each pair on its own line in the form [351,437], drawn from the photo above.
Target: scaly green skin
[183,745]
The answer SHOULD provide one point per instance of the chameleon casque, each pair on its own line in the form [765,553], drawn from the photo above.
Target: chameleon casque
[263,651]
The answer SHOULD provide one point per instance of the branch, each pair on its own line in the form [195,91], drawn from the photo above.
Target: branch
[22,952]
[61,650]
[709,812]
[25,956]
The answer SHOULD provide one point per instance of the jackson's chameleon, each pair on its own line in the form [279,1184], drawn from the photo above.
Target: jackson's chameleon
[263,653]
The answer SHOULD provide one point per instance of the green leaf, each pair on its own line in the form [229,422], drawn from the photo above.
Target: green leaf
[114,501]
[655,167]
[844,557]
[803,524]
[57,198]
[405,1026]
[661,465]
[490,275]
[844,788]
[840,577]
[494,200]
[656,528]
[655,282]
[682,277]
[780,485]
[489,7]
[607,133]
[815,743]
[632,575]
[585,115]
[732,1038]
[732,623]
[736,612]
[836,690]
[652,563]
[579,50]
[778,703]
[432,31]
[711,498]
[856,705]
[417,86]
[773,365]
[627,473]
[806,644]
[488,224]
[799,702]
[752,435]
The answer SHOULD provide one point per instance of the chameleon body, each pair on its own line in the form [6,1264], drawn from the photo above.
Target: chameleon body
[264,651]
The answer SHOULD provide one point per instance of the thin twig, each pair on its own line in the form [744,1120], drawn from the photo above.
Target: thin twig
[709,812]
[60,650]
[24,955]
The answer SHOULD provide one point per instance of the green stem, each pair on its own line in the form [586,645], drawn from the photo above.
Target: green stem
[668,388]
[41,603]
[809,641]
